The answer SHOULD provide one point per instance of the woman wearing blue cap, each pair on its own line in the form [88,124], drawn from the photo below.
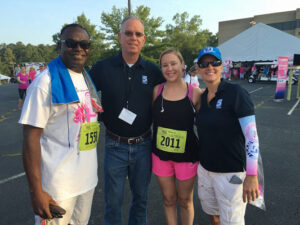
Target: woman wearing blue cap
[228,151]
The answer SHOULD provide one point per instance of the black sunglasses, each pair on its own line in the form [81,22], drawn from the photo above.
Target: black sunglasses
[213,63]
[70,43]
[130,34]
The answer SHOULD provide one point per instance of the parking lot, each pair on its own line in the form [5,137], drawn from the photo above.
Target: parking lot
[278,126]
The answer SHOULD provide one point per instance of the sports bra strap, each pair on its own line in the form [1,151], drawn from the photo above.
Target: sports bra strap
[190,90]
[160,87]
[190,94]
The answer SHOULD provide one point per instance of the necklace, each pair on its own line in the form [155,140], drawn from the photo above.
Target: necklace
[162,105]
[162,100]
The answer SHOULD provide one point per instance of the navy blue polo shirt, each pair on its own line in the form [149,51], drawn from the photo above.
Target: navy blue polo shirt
[120,84]
[222,143]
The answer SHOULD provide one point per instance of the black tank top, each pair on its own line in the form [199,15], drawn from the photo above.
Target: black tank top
[176,115]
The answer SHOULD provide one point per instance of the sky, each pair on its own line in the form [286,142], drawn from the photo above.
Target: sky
[35,21]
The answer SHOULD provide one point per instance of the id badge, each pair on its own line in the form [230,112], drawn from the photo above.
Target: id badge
[127,116]
[170,140]
[89,135]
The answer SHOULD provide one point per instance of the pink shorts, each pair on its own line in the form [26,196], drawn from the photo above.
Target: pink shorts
[182,170]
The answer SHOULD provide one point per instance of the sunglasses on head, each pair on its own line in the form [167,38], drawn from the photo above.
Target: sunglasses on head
[70,43]
[130,34]
[213,63]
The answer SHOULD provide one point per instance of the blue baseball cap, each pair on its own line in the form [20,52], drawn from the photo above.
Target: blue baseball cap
[210,51]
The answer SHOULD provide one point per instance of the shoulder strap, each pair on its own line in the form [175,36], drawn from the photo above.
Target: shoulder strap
[190,94]
[160,87]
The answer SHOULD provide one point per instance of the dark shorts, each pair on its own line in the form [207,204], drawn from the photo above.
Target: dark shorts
[22,93]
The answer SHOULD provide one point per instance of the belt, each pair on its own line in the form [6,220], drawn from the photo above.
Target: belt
[128,140]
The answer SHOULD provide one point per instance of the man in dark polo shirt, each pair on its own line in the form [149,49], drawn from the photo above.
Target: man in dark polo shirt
[126,82]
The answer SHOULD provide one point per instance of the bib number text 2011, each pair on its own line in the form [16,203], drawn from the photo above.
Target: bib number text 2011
[171,140]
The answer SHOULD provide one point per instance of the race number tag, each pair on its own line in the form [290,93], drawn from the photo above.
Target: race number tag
[170,140]
[89,135]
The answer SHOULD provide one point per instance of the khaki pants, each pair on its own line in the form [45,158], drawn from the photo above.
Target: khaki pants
[219,196]
[78,211]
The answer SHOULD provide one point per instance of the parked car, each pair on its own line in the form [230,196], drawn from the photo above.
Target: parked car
[265,71]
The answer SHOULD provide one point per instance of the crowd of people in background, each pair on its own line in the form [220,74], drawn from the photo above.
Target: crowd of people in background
[245,70]
[24,77]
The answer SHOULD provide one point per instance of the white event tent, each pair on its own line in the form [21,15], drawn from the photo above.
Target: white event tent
[3,77]
[260,43]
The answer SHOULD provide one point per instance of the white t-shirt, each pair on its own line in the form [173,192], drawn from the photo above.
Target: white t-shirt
[191,80]
[66,171]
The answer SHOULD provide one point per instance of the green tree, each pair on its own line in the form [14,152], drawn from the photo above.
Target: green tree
[32,54]
[212,39]
[20,51]
[3,47]
[112,25]
[98,45]
[1,66]
[154,44]
[186,35]
[8,62]
[47,52]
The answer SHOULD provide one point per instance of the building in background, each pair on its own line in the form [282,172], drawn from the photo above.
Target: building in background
[288,21]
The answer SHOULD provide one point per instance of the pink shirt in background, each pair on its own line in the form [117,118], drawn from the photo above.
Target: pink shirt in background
[23,77]
[32,75]
[243,69]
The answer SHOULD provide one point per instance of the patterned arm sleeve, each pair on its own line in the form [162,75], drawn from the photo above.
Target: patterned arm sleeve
[248,126]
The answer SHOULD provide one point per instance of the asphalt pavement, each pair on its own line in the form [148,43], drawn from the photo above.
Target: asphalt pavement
[279,137]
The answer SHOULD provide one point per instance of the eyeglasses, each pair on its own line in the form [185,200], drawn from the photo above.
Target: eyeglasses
[70,43]
[130,34]
[213,63]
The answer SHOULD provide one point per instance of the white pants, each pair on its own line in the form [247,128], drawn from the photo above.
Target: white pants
[219,196]
[78,211]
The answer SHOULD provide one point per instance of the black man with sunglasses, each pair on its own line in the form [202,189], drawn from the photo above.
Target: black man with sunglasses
[60,135]
[228,150]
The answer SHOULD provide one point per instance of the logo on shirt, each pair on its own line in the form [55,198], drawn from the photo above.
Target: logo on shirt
[84,112]
[208,50]
[144,79]
[219,104]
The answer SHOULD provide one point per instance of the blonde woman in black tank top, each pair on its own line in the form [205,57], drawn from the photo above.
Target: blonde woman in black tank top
[174,157]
